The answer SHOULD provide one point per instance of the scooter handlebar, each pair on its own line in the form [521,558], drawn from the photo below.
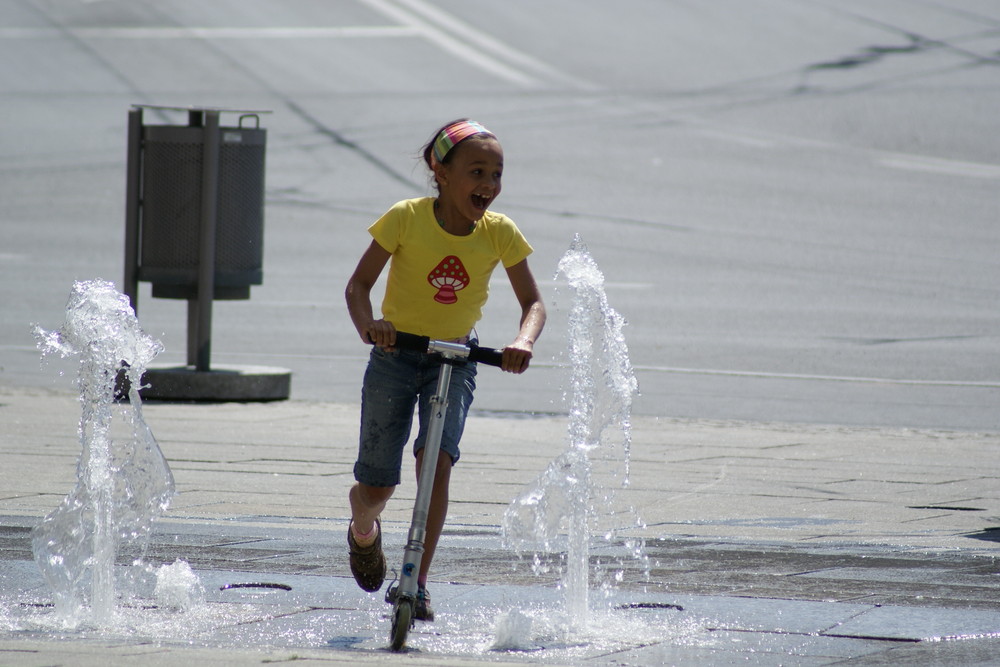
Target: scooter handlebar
[412,342]
[415,343]
[486,355]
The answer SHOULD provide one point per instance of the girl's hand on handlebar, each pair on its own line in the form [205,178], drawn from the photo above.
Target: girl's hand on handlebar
[516,357]
[380,333]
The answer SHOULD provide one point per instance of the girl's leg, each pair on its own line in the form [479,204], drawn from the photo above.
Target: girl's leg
[387,398]
[366,557]
[367,503]
[437,512]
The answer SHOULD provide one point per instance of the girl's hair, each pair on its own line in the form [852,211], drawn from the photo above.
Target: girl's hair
[428,150]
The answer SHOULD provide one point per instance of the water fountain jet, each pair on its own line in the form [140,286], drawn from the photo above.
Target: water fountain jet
[603,385]
[122,483]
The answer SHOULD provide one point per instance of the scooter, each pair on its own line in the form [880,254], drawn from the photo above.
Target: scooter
[403,596]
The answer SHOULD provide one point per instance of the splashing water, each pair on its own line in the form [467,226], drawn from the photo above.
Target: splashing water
[178,587]
[603,385]
[123,483]
[513,632]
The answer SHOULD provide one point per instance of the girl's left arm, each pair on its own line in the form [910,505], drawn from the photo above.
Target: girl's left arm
[517,355]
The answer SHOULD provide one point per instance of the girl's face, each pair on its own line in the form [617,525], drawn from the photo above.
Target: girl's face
[470,180]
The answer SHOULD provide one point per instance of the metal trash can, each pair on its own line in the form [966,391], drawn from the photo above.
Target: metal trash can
[172,174]
[194,228]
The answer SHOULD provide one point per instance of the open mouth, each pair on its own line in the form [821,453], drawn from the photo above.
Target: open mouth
[480,202]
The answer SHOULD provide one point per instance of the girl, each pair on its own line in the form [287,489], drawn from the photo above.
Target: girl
[441,251]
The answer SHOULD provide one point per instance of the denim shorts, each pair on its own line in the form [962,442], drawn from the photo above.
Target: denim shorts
[394,383]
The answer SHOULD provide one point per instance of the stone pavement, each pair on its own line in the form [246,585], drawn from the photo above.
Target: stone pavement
[767,544]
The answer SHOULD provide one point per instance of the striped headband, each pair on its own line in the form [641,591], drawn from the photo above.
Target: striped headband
[453,134]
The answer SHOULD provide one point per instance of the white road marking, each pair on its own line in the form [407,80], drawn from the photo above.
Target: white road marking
[940,166]
[415,18]
[484,42]
[820,378]
[148,33]
[458,48]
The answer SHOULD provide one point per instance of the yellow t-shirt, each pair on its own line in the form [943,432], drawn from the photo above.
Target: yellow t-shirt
[439,282]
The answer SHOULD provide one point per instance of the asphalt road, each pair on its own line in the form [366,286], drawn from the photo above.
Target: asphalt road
[794,203]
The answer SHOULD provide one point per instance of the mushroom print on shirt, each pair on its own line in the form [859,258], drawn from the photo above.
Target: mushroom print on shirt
[449,276]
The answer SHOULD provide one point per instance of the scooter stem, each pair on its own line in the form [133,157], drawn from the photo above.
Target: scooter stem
[425,485]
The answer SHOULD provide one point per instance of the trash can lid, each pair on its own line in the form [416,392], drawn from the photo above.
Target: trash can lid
[196,108]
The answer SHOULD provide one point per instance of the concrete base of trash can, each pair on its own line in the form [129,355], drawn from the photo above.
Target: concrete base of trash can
[222,383]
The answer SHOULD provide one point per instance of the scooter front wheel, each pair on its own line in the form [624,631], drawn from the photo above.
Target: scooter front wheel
[402,621]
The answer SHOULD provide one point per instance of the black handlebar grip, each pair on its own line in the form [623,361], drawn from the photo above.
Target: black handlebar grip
[412,342]
[485,355]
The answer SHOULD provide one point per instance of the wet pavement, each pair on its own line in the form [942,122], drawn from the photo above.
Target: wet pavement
[765,544]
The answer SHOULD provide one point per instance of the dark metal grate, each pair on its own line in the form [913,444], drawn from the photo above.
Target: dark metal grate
[171,206]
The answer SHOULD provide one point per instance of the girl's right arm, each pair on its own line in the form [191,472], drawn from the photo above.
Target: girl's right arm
[358,295]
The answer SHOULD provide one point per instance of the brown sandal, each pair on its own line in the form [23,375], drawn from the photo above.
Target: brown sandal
[367,563]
